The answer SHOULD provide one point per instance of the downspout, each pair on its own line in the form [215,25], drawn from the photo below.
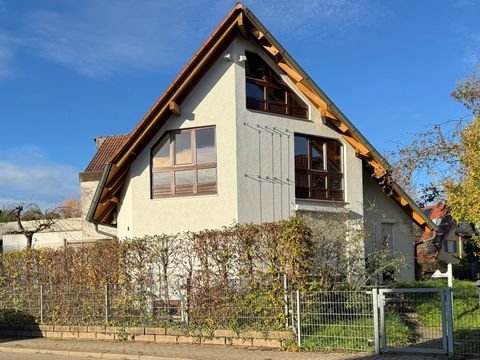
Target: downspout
[112,237]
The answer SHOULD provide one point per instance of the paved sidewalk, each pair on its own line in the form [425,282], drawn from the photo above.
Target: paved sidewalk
[148,351]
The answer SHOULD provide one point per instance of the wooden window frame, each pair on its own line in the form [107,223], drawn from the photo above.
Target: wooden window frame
[272,81]
[193,166]
[330,193]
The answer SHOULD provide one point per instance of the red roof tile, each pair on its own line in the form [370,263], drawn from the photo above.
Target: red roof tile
[108,149]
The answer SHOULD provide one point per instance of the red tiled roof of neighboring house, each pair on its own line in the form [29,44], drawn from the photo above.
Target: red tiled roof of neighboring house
[428,248]
[108,149]
[434,212]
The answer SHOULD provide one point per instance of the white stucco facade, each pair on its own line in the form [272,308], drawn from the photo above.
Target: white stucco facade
[255,166]
[385,220]
[211,102]
[255,160]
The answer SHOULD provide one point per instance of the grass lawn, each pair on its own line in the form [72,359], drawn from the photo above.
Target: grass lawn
[355,335]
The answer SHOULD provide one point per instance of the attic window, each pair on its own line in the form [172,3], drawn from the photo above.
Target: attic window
[318,168]
[267,92]
[184,163]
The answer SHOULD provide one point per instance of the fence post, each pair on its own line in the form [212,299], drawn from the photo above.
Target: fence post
[106,303]
[299,334]
[376,327]
[41,304]
[285,299]
[450,318]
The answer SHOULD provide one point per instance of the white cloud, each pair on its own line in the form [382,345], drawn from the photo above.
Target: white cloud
[6,56]
[26,175]
[472,54]
[324,18]
[103,38]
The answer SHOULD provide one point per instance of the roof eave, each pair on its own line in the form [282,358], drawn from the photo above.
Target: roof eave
[98,192]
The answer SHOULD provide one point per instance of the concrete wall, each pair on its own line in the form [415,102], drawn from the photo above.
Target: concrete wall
[212,102]
[383,214]
[64,231]
[87,191]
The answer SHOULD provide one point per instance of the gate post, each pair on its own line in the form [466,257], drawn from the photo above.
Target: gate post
[106,303]
[376,328]
[449,316]
[299,334]
[41,304]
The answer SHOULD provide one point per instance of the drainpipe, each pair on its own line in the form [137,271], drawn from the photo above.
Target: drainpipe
[112,237]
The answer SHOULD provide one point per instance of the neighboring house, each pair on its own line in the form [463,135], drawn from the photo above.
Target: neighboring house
[448,243]
[244,135]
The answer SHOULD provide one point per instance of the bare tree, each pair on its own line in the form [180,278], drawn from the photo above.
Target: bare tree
[38,221]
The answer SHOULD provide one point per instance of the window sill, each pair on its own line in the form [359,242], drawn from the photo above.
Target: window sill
[320,205]
[176,197]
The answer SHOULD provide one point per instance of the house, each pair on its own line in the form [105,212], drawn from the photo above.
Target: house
[447,244]
[244,134]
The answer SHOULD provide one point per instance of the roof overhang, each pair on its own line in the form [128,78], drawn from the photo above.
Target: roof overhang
[241,21]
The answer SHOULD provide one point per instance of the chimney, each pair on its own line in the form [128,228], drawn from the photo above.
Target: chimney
[99,141]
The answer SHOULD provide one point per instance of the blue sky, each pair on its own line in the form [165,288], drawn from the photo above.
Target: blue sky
[73,70]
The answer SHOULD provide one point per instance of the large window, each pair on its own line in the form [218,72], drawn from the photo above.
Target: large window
[267,92]
[318,168]
[184,163]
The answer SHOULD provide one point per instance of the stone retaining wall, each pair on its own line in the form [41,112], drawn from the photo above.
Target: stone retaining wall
[272,339]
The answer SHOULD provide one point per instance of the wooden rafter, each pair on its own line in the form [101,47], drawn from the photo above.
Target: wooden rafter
[357,145]
[174,108]
[242,26]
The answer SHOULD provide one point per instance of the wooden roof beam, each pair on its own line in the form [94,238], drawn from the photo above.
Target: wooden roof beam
[295,76]
[174,108]
[105,213]
[399,199]
[257,34]
[334,121]
[242,26]
[357,145]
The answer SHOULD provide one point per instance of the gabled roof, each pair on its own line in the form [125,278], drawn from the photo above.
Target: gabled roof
[109,147]
[429,248]
[240,21]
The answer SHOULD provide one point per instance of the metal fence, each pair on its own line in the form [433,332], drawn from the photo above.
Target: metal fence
[466,321]
[399,319]
[121,305]
[334,320]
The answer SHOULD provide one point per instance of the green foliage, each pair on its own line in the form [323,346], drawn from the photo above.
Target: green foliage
[446,156]
[16,317]
[6,215]
[342,260]
[356,334]
[464,194]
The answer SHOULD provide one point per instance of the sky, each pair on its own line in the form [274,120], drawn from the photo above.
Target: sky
[73,70]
